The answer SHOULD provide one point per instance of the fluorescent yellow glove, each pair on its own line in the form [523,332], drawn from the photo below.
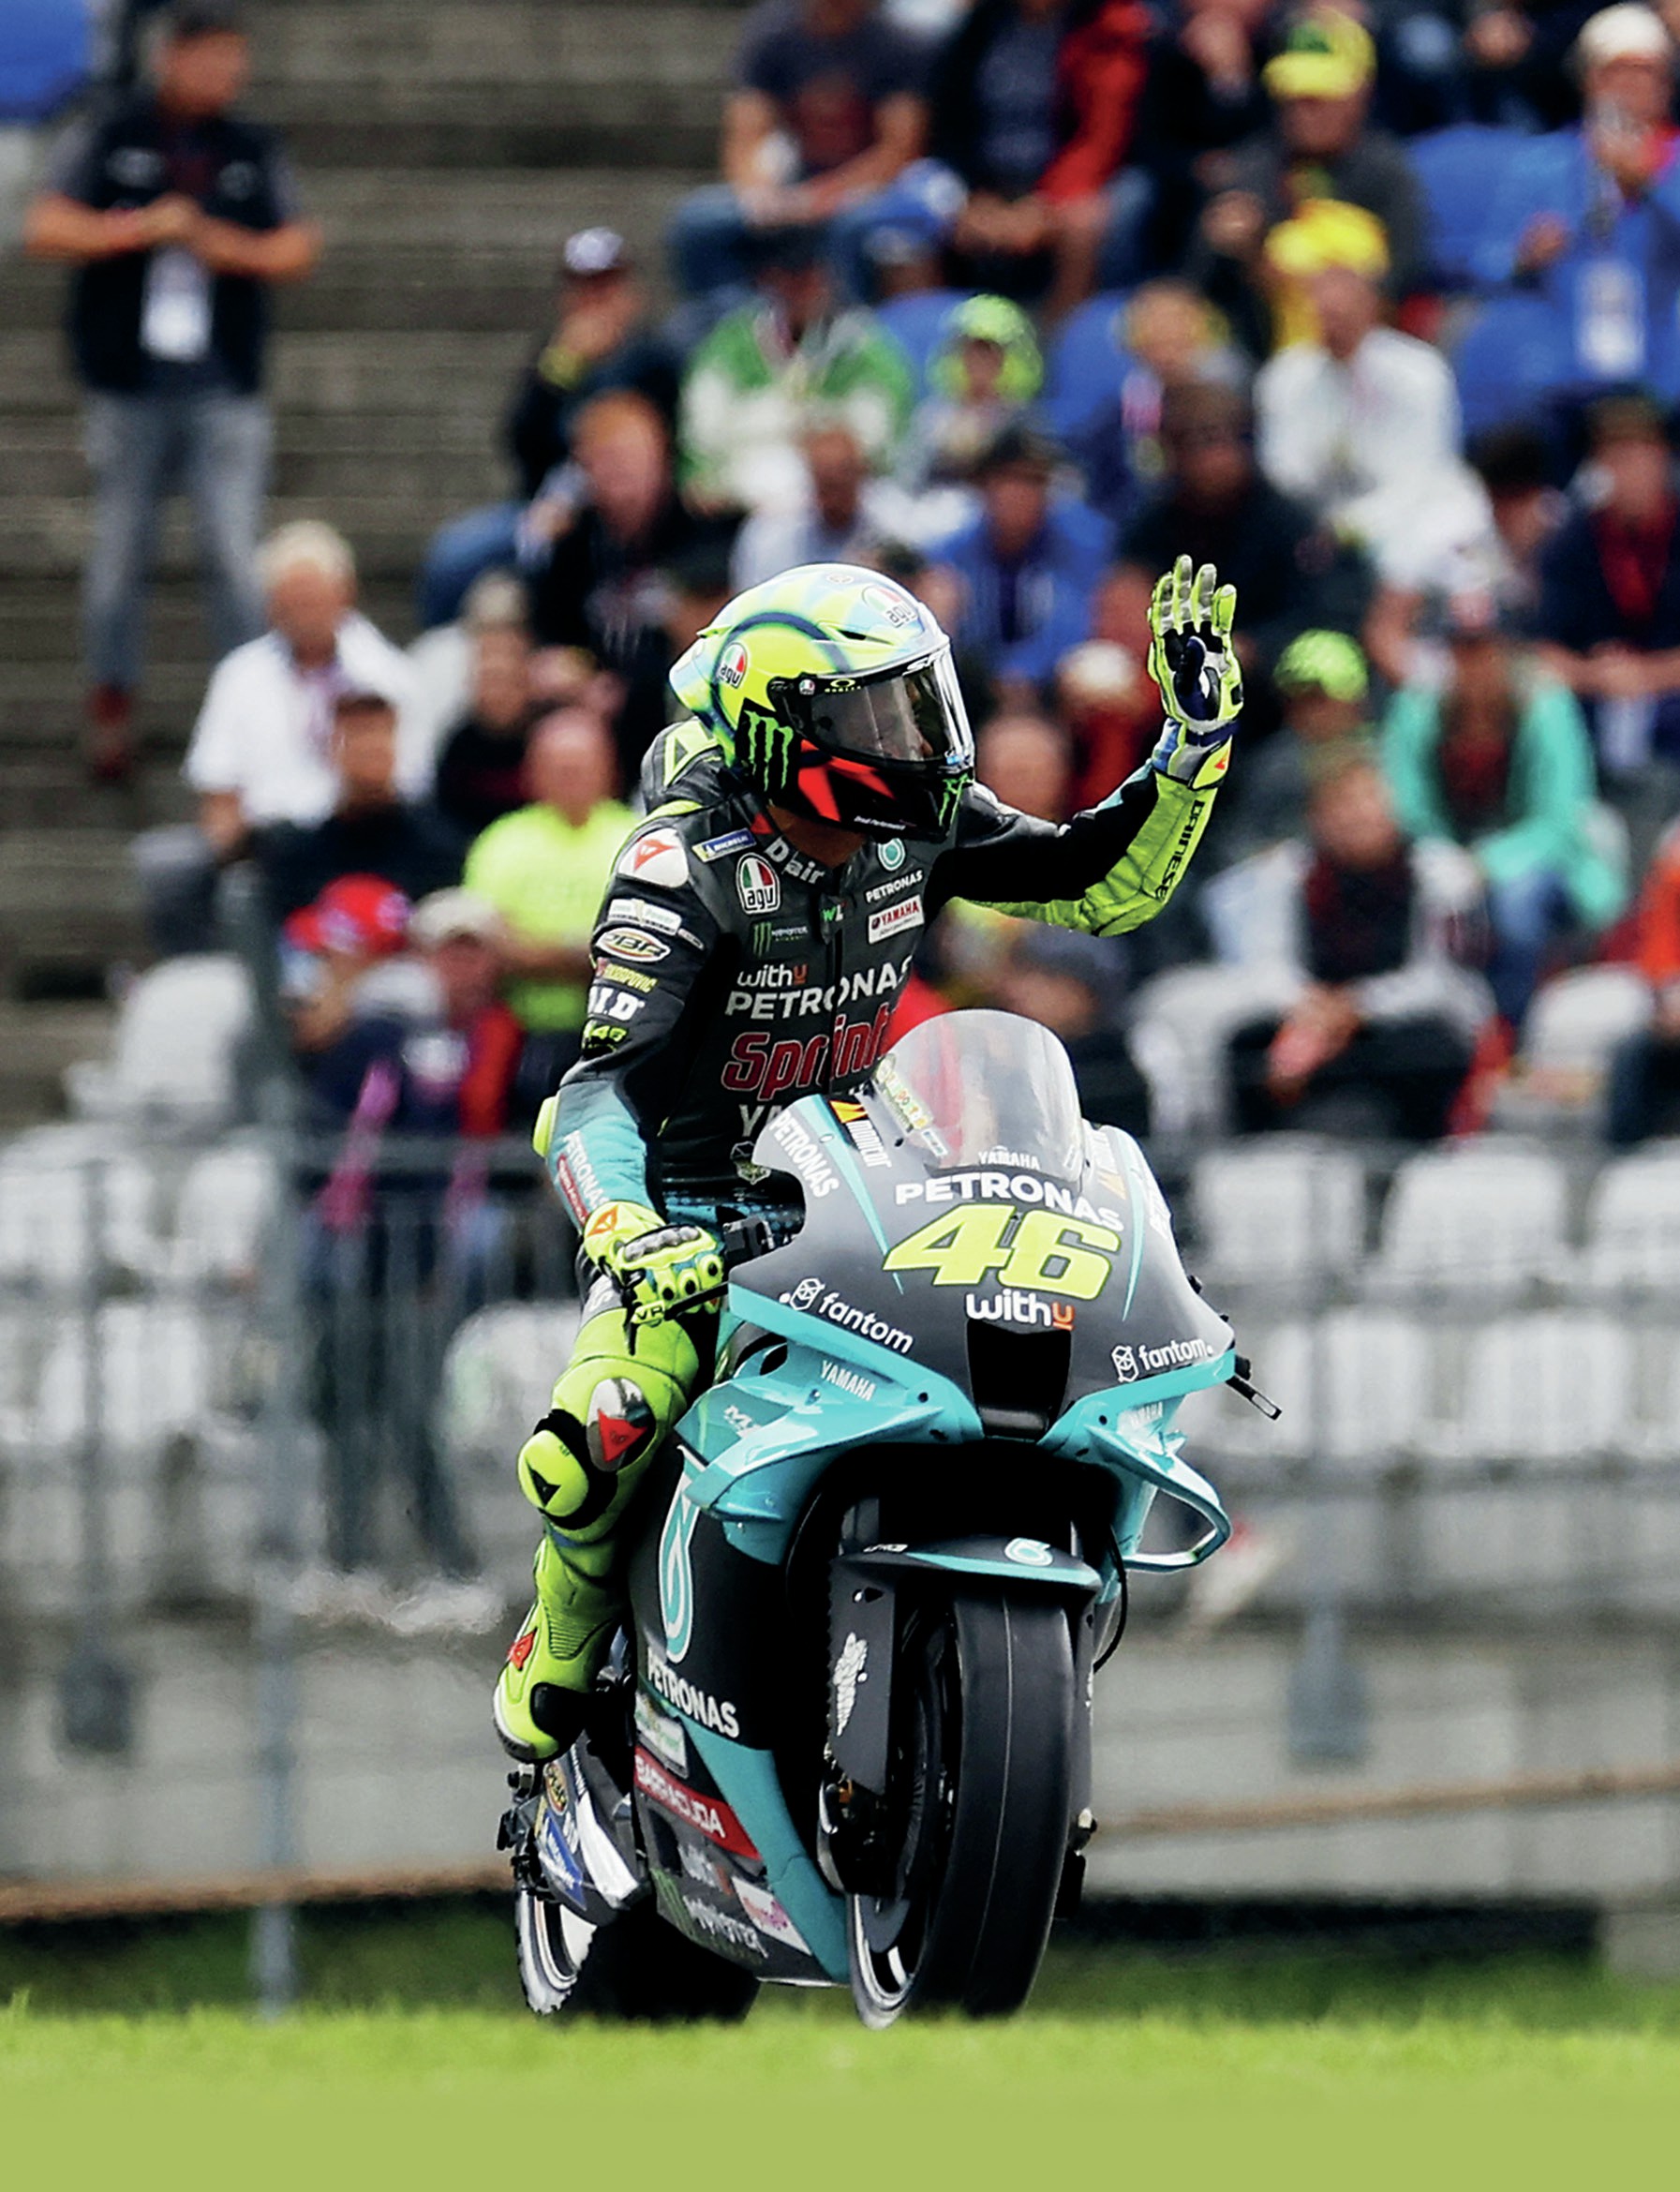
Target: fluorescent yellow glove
[1193,662]
[661,1269]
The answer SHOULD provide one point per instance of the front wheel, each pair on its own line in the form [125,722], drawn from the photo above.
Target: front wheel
[636,1968]
[981,1780]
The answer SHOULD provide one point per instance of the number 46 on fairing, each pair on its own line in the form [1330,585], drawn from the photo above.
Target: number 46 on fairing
[1035,1248]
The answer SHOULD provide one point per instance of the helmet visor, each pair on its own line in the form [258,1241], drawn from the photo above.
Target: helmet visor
[911,714]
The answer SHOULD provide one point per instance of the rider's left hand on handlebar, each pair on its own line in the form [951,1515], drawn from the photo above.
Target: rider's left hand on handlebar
[661,1269]
[1192,661]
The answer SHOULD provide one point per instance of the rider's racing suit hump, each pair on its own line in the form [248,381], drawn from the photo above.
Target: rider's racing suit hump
[732,975]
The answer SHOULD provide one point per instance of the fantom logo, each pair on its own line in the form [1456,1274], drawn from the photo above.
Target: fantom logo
[677,1575]
[766,747]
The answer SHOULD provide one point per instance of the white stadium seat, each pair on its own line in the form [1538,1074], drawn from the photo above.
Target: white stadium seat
[176,1039]
[1480,1221]
[1279,1212]
[1547,1390]
[1633,1225]
[1577,1019]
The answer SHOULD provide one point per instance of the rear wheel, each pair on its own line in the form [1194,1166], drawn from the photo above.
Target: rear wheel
[982,1784]
[636,1968]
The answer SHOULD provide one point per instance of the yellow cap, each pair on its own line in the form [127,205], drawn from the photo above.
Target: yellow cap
[1327,55]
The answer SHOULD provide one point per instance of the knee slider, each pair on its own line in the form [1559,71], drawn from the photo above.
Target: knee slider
[572,1468]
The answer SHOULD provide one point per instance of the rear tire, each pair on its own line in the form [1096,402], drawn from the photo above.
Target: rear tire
[983,1773]
[637,1969]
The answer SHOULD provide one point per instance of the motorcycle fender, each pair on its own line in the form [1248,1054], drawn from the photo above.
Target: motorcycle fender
[1026,1562]
[862,1621]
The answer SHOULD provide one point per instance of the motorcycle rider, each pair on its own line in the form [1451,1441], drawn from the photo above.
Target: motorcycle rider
[813,811]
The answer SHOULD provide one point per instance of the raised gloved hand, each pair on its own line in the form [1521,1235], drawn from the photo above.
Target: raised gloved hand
[1192,660]
[661,1269]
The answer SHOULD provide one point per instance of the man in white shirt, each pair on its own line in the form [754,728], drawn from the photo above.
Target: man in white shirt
[1363,425]
[261,752]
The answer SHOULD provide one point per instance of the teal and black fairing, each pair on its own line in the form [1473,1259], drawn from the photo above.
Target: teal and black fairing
[872,1360]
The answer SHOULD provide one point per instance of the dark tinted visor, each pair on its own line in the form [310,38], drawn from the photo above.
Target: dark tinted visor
[906,715]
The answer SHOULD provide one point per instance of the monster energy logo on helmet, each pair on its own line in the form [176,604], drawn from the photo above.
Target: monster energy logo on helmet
[765,746]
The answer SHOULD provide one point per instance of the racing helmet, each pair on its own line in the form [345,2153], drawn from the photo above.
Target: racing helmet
[833,692]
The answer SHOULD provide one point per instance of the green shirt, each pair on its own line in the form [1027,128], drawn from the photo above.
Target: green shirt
[547,879]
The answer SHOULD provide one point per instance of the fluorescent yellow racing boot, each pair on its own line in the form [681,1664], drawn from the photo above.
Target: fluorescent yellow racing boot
[581,1467]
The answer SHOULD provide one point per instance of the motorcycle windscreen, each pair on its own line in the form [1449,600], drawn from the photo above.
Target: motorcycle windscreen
[984,1088]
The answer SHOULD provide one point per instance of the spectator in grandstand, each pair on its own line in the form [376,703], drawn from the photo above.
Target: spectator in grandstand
[602,339]
[1323,688]
[1498,761]
[752,382]
[178,215]
[1645,1074]
[1022,572]
[1074,986]
[1026,759]
[1609,619]
[1203,95]
[1290,573]
[826,127]
[393,1258]
[600,588]
[262,750]
[1035,106]
[481,762]
[1512,467]
[984,376]
[1514,61]
[330,954]
[846,517]
[1164,336]
[544,868]
[1353,934]
[1362,424]
[1107,708]
[1588,218]
[372,829]
[1321,151]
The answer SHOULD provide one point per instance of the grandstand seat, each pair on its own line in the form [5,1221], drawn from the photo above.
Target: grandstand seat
[498,1375]
[1485,1221]
[175,1050]
[1509,357]
[916,324]
[1633,1225]
[46,53]
[62,1189]
[1181,1022]
[1577,1019]
[1461,171]
[151,1381]
[228,1199]
[1551,1389]
[1088,361]
[1279,1213]
[1372,1371]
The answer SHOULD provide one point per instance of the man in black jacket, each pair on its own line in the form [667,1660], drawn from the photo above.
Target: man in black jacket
[814,811]
[177,214]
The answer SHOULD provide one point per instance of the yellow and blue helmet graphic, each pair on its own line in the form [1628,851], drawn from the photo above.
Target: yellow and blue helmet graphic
[833,691]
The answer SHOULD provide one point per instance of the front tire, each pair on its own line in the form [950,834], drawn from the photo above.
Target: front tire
[983,1778]
[636,1969]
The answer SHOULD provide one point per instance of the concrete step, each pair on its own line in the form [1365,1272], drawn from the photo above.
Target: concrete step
[495,43]
[455,477]
[52,790]
[68,903]
[40,617]
[463,378]
[504,209]
[37,1042]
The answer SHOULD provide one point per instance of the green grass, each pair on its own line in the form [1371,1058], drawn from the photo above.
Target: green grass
[413,2065]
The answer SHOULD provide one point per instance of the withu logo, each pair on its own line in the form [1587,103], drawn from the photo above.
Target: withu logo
[1014,1305]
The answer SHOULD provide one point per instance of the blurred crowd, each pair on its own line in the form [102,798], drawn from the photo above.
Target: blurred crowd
[1374,304]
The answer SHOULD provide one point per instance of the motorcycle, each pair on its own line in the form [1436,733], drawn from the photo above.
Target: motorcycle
[845,1736]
